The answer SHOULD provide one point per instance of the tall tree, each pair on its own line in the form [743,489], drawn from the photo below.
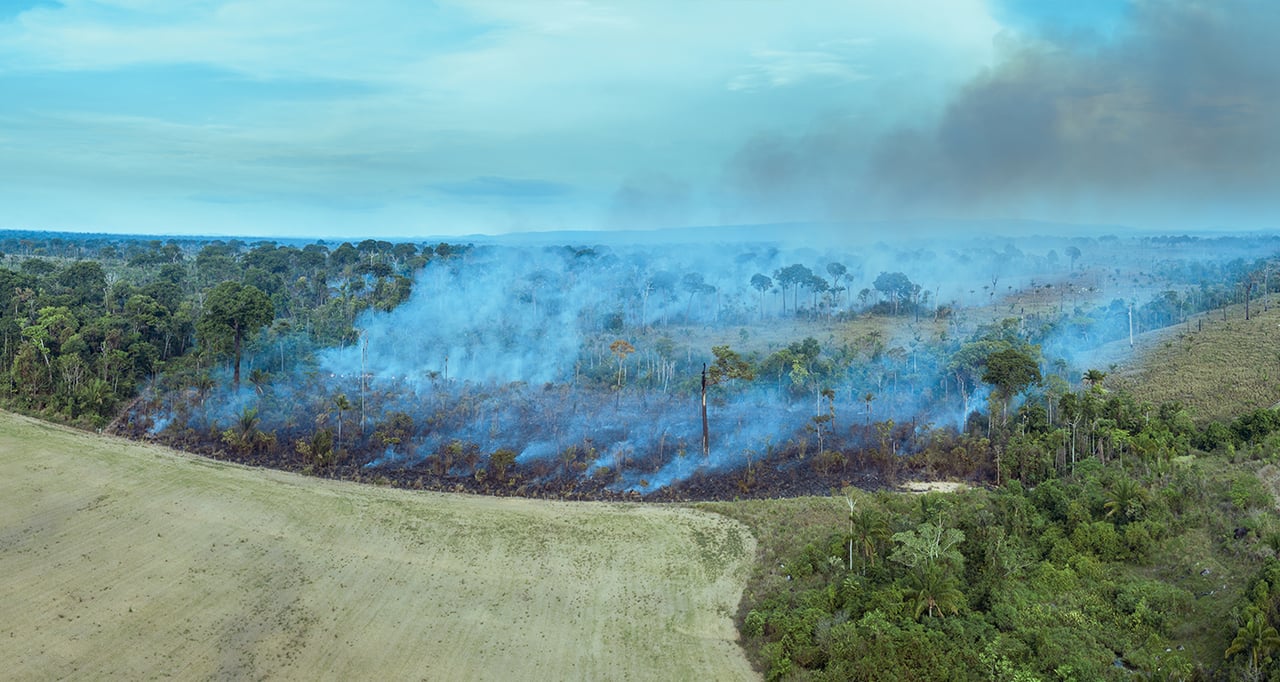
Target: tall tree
[1093,378]
[728,365]
[343,404]
[761,283]
[1073,253]
[896,286]
[933,589]
[932,552]
[868,530]
[621,349]
[793,276]
[231,312]
[837,271]
[1010,371]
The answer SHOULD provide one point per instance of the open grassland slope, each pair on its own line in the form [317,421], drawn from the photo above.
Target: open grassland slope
[1217,369]
[132,562]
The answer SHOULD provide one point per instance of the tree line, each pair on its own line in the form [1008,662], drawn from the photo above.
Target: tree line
[80,336]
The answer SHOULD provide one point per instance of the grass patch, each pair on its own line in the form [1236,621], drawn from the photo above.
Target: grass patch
[128,561]
[1217,369]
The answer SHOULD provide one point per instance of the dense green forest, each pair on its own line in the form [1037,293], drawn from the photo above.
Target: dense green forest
[1137,560]
[86,322]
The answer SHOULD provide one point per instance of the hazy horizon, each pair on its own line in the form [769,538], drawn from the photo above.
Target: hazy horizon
[394,119]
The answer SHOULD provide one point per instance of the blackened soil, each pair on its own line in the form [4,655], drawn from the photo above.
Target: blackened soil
[786,473]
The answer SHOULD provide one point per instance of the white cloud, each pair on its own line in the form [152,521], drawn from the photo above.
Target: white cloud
[585,94]
[781,68]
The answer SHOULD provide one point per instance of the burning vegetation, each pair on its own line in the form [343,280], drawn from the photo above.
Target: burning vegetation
[579,371]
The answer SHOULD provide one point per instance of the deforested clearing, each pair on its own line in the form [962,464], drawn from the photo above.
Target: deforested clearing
[127,561]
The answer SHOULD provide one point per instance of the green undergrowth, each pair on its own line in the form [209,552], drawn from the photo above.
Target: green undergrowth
[1128,570]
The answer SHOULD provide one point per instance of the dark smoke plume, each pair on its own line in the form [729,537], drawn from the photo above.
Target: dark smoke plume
[1169,120]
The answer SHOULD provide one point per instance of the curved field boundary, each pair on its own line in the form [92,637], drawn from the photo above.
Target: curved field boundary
[125,561]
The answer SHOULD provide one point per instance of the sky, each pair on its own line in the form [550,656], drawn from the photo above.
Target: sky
[404,118]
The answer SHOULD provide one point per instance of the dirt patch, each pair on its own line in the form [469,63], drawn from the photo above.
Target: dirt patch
[934,486]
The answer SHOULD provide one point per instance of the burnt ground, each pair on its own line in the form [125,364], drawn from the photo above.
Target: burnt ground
[785,473]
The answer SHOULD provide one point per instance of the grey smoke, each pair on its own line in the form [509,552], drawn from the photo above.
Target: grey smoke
[1170,119]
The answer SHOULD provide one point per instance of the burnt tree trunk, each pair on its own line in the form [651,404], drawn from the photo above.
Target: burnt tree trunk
[706,433]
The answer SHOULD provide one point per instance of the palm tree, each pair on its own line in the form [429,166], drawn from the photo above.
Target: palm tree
[932,589]
[319,448]
[1094,378]
[243,436]
[343,404]
[259,378]
[868,530]
[1124,500]
[1256,638]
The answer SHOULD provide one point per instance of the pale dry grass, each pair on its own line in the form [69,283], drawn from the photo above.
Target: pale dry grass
[122,561]
[1218,372]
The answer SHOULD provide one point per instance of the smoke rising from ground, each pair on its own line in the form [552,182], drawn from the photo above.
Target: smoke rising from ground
[508,347]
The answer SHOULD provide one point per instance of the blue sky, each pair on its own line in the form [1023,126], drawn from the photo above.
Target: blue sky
[406,118]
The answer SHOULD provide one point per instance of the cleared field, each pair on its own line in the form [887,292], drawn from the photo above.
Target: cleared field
[1218,369]
[123,561]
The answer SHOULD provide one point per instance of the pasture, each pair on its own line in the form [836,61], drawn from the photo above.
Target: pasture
[129,561]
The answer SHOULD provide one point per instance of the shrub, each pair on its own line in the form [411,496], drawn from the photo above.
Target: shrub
[1216,436]
[1247,492]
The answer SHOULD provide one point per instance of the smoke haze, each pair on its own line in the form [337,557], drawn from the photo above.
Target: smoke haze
[1166,121]
[518,347]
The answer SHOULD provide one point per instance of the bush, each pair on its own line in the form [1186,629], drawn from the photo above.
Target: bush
[1216,436]
[753,624]
[1247,492]
[1140,537]
[1098,538]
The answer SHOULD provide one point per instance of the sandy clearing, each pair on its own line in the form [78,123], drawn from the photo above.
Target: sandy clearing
[934,486]
[128,561]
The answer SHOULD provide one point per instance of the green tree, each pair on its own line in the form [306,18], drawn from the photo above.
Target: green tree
[85,282]
[895,286]
[1093,379]
[1257,640]
[342,404]
[501,462]
[1011,371]
[1125,500]
[244,434]
[395,429]
[232,311]
[933,589]
[793,276]
[929,545]
[868,529]
[932,552]
[318,449]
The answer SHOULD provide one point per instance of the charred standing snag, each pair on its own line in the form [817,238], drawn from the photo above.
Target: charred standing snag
[706,434]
